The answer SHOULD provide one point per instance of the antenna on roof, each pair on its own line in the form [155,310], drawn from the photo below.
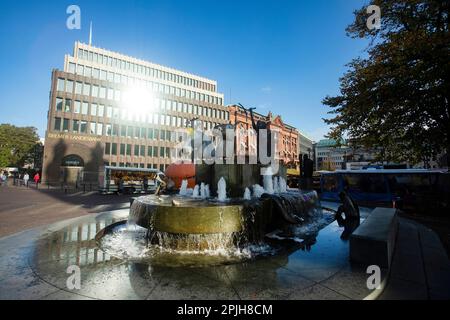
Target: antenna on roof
[90,34]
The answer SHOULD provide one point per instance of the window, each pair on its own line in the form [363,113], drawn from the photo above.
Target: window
[78,87]
[65,127]
[99,129]
[103,92]
[102,75]
[93,109]
[149,151]
[77,107]
[108,112]
[60,84]
[72,67]
[130,131]
[136,150]
[115,130]
[107,148]
[110,76]
[59,104]
[95,91]
[122,149]
[84,108]
[95,73]
[92,128]
[86,89]
[150,133]
[69,86]
[155,152]
[116,113]
[137,133]
[108,130]
[57,126]
[76,126]
[143,133]
[100,110]
[110,94]
[67,104]
[123,131]
[128,149]
[83,126]
[88,72]
[80,69]
[114,149]
[161,152]
[156,134]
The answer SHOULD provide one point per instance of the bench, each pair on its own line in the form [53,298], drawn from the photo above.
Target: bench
[373,242]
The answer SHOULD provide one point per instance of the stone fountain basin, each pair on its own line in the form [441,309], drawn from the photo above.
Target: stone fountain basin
[180,215]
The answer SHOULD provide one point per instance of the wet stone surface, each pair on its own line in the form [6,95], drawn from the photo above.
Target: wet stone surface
[34,265]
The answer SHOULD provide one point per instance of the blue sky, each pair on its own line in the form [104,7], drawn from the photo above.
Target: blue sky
[283,56]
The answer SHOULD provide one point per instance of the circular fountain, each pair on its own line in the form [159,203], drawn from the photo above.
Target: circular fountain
[234,223]
[192,228]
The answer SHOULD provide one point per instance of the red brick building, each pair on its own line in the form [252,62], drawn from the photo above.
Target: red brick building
[287,145]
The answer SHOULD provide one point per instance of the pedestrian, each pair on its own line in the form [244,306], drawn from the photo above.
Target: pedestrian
[307,172]
[36,178]
[3,179]
[145,182]
[26,177]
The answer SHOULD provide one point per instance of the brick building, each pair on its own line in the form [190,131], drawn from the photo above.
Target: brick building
[287,136]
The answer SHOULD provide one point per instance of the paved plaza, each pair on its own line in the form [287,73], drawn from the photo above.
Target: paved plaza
[43,232]
[25,208]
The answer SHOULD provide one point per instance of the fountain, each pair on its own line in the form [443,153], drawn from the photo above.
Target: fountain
[247,194]
[222,190]
[232,223]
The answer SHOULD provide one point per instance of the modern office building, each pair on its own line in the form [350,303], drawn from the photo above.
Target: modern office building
[331,156]
[109,109]
[287,135]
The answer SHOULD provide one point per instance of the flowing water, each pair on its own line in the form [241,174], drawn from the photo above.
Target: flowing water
[129,241]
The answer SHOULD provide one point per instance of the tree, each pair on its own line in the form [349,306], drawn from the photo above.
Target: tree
[397,99]
[17,145]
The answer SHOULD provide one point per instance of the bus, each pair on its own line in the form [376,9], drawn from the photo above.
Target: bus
[132,178]
[416,190]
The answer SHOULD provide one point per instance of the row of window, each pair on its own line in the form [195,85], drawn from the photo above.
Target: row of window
[142,70]
[125,149]
[114,130]
[103,92]
[99,110]
[158,105]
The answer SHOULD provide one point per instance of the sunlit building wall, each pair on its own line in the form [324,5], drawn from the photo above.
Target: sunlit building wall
[110,109]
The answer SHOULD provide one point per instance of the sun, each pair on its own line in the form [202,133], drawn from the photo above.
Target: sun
[138,100]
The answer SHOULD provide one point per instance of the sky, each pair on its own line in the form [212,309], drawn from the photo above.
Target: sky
[279,56]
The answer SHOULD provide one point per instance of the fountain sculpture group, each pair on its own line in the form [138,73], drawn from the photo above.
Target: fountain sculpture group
[231,206]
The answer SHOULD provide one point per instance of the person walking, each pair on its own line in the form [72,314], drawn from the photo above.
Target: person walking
[3,179]
[145,182]
[36,178]
[307,172]
[26,177]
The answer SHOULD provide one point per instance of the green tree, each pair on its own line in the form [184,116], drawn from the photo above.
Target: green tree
[397,98]
[17,145]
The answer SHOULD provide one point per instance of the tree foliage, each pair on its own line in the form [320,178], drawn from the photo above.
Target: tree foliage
[17,145]
[397,99]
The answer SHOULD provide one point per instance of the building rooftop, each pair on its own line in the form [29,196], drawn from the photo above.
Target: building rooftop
[330,143]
